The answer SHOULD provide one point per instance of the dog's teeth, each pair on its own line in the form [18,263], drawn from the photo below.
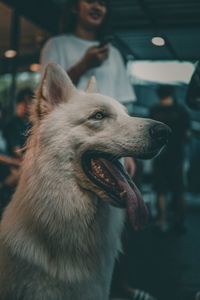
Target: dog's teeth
[99,174]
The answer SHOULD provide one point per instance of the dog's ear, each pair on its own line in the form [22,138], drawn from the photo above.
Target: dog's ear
[92,86]
[56,87]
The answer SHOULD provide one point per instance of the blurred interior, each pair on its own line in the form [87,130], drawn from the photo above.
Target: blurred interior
[168,267]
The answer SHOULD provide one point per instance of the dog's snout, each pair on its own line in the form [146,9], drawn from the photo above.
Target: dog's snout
[160,133]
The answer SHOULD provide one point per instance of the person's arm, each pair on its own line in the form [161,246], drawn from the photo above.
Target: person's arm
[76,71]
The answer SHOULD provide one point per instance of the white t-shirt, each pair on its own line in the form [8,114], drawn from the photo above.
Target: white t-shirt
[111,76]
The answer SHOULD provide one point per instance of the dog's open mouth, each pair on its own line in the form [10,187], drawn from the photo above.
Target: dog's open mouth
[110,176]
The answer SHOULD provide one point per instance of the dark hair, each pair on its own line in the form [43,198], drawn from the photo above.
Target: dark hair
[68,19]
[164,91]
[21,95]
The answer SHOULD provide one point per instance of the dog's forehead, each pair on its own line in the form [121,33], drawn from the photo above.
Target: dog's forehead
[95,101]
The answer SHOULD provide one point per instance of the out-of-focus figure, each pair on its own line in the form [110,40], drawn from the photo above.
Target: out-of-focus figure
[168,167]
[15,133]
[193,101]
[16,130]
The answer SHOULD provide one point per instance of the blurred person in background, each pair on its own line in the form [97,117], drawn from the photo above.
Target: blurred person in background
[4,168]
[2,139]
[168,167]
[193,101]
[84,50]
[15,133]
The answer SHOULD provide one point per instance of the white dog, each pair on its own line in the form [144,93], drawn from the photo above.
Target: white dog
[60,234]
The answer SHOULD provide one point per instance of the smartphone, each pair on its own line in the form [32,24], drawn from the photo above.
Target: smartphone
[106,40]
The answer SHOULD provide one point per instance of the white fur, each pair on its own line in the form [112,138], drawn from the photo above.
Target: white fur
[59,236]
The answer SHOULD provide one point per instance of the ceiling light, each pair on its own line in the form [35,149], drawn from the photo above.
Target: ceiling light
[158,41]
[10,53]
[35,67]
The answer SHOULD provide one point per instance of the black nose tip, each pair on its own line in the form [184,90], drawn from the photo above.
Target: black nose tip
[160,133]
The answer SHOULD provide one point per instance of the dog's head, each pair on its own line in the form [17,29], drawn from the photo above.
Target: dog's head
[87,133]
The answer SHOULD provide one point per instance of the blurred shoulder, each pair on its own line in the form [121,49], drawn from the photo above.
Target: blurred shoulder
[58,39]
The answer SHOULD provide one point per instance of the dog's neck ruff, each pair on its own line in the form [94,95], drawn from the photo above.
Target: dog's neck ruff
[64,220]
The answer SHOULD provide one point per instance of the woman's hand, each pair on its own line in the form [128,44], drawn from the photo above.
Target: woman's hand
[95,56]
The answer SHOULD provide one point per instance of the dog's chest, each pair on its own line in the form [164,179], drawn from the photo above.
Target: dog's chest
[111,222]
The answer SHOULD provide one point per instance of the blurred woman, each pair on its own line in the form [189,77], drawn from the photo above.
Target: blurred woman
[84,50]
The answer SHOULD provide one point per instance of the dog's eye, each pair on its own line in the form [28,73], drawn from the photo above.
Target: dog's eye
[98,115]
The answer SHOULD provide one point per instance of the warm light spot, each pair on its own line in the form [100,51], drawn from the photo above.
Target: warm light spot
[10,53]
[35,67]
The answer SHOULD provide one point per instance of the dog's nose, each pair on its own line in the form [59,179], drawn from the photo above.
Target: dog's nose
[160,133]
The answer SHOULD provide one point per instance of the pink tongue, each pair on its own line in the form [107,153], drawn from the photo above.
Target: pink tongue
[136,208]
